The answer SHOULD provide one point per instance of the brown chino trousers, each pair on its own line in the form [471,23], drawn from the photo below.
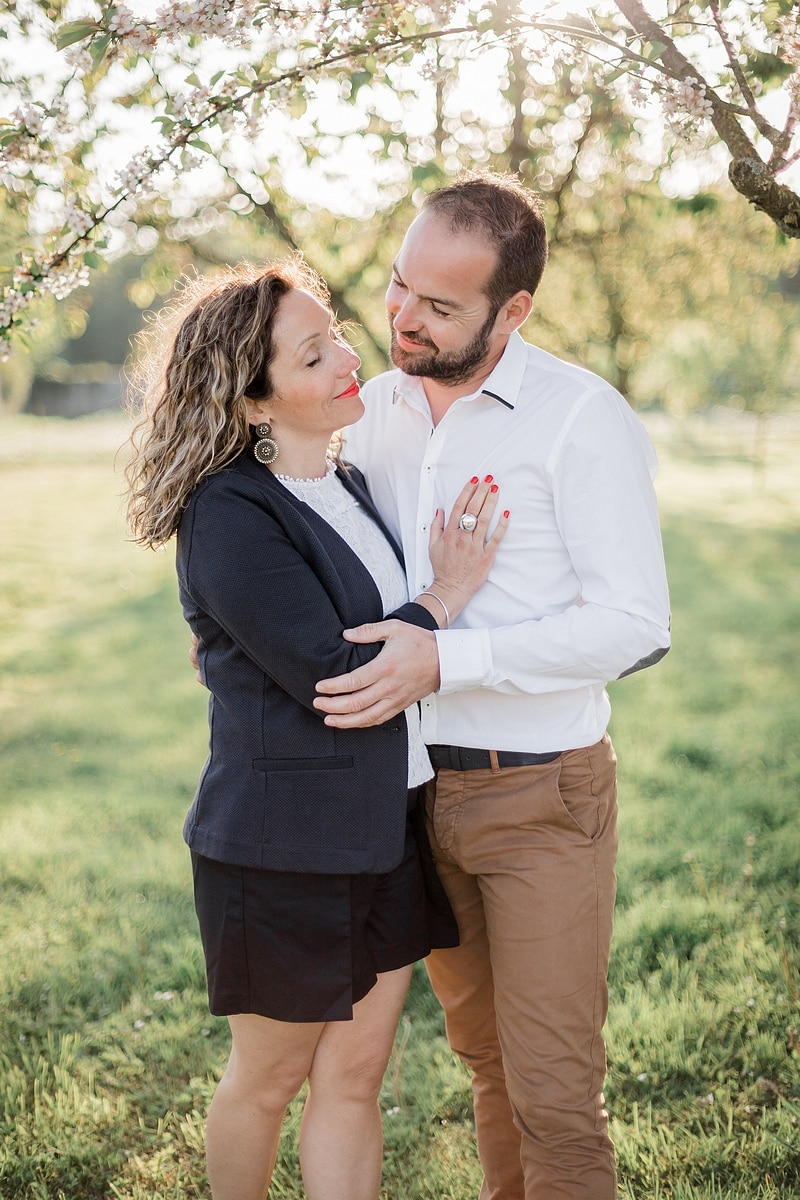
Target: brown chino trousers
[526,855]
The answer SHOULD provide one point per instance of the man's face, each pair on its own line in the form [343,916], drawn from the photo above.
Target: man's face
[441,319]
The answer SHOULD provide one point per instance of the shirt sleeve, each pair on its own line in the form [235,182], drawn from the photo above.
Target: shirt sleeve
[605,508]
[254,587]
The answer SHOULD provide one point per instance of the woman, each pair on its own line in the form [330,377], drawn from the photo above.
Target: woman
[309,886]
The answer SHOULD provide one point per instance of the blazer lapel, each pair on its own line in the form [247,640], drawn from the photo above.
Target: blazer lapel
[342,558]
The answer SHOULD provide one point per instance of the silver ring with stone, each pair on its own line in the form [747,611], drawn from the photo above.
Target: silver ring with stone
[468,522]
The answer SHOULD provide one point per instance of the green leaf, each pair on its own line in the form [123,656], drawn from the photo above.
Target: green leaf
[770,69]
[775,9]
[129,101]
[98,49]
[199,144]
[701,202]
[75,31]
[407,24]
[654,50]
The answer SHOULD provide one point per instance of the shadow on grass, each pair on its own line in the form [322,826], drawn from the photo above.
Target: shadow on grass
[108,1049]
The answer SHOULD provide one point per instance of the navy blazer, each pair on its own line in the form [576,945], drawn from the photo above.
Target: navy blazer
[268,586]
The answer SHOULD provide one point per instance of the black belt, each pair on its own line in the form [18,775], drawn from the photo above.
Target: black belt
[465,758]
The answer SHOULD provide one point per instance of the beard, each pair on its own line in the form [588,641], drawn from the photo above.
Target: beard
[454,366]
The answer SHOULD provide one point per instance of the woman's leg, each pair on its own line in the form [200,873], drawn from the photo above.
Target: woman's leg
[341,1138]
[268,1064]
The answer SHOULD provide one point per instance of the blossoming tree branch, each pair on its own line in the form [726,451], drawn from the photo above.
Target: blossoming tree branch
[202,71]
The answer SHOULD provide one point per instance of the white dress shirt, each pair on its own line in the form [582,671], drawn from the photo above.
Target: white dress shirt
[577,595]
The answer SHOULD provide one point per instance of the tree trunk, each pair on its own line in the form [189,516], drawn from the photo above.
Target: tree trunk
[748,173]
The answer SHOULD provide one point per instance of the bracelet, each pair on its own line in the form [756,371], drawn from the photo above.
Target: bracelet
[444,607]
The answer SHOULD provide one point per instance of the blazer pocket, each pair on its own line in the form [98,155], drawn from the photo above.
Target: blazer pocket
[313,803]
[342,762]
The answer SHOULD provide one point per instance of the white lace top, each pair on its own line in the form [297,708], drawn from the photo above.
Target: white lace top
[331,500]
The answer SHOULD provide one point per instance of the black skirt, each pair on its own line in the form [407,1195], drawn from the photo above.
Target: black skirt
[303,947]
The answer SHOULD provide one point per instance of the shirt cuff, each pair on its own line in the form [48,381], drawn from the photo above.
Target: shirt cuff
[465,658]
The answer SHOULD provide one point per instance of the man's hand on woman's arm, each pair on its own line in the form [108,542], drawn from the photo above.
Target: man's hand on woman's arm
[406,669]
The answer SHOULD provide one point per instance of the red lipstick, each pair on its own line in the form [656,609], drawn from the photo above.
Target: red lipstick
[353,390]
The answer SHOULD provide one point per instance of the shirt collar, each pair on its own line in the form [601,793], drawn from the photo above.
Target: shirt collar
[502,385]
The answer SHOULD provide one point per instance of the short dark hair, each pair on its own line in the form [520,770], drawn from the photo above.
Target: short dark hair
[509,215]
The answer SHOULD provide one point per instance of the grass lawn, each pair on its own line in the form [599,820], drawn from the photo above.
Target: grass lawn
[108,1056]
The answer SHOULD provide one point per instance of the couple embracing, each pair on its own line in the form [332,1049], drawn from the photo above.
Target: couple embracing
[408,598]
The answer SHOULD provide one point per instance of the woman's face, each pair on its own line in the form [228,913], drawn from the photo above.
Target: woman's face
[313,372]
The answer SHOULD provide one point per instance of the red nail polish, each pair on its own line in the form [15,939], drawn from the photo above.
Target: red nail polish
[494,488]
[488,479]
[474,479]
[507,513]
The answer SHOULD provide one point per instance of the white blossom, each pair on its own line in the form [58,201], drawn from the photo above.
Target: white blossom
[637,91]
[11,302]
[137,176]
[121,20]
[433,72]
[30,118]
[788,42]
[685,104]
[686,97]
[793,91]
[190,160]
[78,57]
[139,40]
[135,36]
[189,108]
[196,16]
[227,119]
[78,221]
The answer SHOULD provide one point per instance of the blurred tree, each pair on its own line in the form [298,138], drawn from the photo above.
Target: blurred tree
[224,72]
[678,302]
[722,328]
[639,286]
[44,339]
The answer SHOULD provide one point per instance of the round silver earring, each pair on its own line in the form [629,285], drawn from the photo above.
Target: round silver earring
[266,448]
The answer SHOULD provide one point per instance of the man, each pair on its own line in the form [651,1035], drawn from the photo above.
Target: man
[522,812]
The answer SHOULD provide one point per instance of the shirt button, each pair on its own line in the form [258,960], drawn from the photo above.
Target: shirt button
[424,528]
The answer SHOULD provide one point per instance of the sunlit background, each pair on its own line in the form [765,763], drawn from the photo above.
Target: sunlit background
[660,278]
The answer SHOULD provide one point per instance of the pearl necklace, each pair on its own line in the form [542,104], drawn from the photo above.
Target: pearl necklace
[317,479]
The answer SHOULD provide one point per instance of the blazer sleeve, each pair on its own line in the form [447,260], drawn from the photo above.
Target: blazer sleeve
[277,593]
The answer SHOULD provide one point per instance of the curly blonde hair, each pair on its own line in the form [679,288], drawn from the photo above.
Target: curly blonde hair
[202,357]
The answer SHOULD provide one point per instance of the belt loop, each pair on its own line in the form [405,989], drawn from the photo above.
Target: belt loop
[494,762]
